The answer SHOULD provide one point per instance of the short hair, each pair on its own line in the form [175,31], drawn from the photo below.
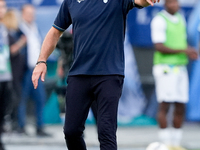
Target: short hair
[26,5]
[4,1]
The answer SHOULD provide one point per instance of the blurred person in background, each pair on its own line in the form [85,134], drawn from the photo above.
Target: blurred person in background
[168,31]
[30,29]
[97,72]
[17,42]
[65,45]
[5,69]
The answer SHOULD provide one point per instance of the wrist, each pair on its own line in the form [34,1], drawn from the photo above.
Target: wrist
[41,62]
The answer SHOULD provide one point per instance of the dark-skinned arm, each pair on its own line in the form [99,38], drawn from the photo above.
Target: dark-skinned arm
[190,52]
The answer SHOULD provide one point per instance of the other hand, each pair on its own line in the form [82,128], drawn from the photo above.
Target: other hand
[192,53]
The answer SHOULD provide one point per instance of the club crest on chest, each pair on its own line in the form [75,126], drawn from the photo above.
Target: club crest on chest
[105,1]
[79,1]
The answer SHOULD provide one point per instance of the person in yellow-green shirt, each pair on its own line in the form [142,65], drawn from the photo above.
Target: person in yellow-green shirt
[168,31]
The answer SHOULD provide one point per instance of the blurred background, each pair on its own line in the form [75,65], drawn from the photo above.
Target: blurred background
[138,105]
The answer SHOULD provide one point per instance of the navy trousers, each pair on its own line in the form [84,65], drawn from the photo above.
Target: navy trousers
[81,92]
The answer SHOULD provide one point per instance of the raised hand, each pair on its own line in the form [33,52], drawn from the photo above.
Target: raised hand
[145,3]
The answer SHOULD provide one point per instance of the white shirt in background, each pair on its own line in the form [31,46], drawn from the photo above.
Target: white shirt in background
[33,42]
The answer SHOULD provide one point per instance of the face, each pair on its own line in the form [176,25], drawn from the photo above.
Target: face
[172,6]
[28,14]
[3,9]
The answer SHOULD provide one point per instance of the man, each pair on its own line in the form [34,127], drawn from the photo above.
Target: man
[29,28]
[5,69]
[171,79]
[97,71]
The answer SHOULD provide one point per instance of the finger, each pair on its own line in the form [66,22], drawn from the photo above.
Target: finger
[35,83]
[150,2]
[156,1]
[35,78]
[43,76]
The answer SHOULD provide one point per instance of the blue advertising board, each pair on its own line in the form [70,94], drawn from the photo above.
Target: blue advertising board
[138,23]
[138,20]
[19,3]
